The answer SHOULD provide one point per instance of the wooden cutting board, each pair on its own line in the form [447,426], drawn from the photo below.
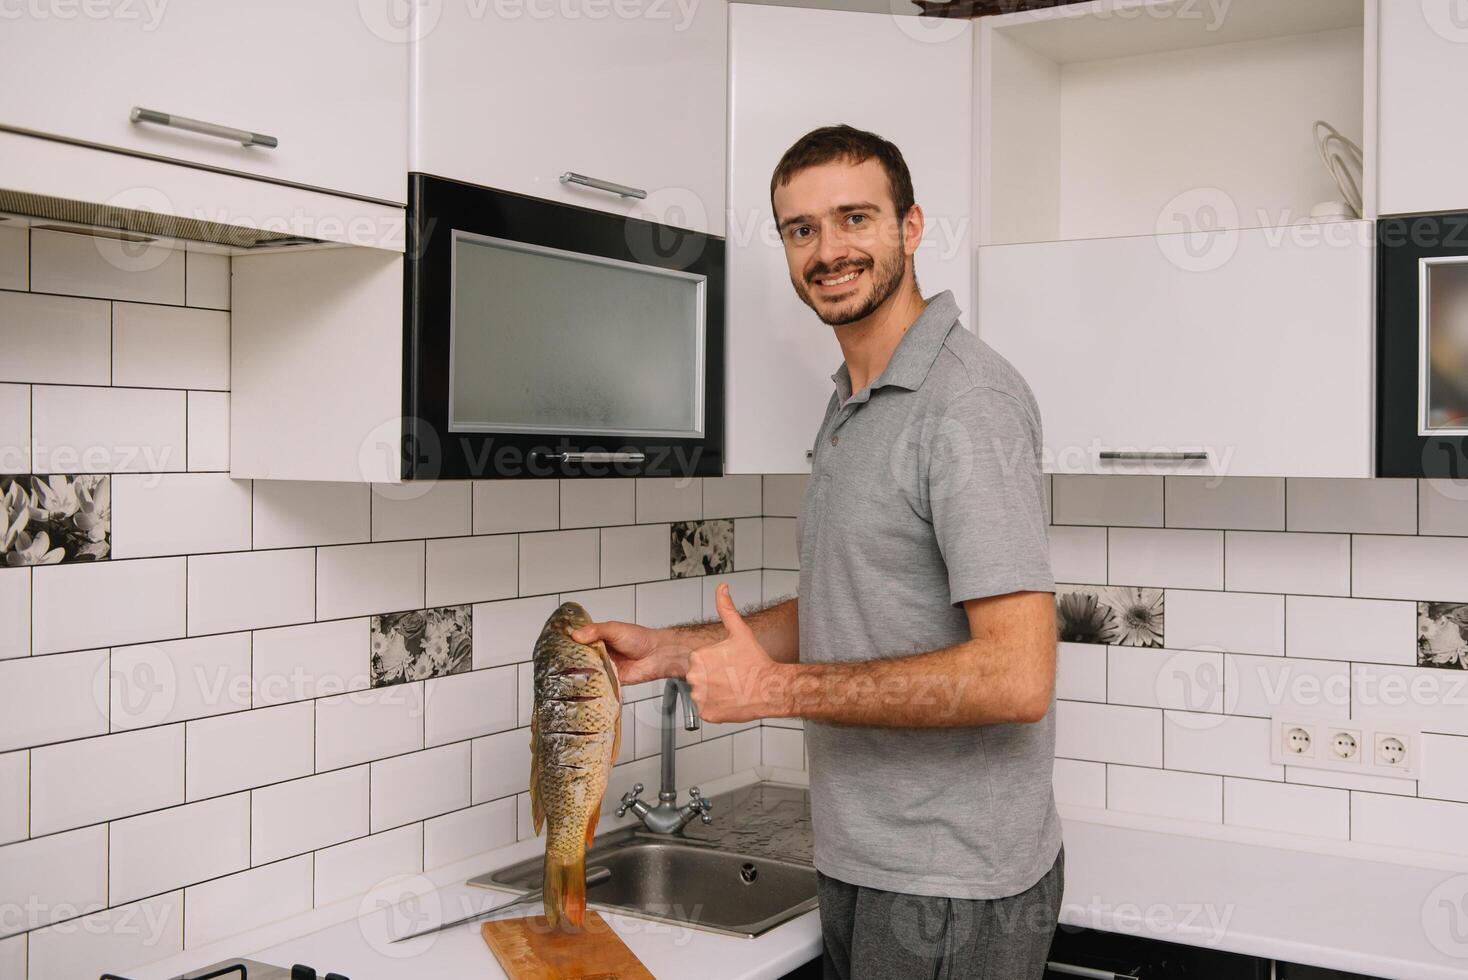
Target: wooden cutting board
[528,949]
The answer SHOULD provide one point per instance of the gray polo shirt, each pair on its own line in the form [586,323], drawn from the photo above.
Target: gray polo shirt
[925,491]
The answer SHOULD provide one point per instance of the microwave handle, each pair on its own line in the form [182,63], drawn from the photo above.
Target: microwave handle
[575,457]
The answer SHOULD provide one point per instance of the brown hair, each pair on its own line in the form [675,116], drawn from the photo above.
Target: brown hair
[831,143]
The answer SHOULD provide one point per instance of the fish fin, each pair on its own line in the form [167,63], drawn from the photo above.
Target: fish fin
[611,668]
[537,811]
[565,891]
[616,737]
[591,826]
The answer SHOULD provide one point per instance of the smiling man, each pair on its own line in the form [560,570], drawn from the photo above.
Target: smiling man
[921,648]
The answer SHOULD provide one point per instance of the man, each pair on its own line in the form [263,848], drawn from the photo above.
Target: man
[921,648]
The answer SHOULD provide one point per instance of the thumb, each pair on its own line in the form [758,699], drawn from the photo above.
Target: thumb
[591,632]
[724,602]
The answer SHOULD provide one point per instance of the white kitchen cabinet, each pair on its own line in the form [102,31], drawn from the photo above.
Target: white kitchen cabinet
[1252,346]
[329,81]
[513,96]
[1423,101]
[793,70]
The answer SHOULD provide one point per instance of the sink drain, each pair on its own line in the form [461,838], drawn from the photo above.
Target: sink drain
[748,872]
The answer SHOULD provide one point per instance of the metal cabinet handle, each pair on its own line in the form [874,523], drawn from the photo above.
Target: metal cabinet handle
[603,185]
[1072,970]
[1115,454]
[593,457]
[241,136]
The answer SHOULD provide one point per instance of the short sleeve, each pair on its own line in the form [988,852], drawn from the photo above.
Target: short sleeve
[986,495]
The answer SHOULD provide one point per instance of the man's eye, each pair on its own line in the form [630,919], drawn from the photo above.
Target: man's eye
[801,232]
[856,218]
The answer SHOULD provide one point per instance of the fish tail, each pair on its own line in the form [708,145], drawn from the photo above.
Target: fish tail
[565,890]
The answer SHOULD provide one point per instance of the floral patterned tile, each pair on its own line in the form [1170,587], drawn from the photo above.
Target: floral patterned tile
[53,519]
[409,646]
[1442,635]
[702,548]
[1116,614]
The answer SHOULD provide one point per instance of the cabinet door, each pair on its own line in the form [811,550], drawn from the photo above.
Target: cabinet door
[1422,141]
[793,70]
[315,76]
[512,96]
[1252,346]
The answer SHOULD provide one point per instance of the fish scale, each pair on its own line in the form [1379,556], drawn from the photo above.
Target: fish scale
[575,734]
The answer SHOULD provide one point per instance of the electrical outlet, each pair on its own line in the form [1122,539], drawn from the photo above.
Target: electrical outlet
[1345,744]
[1359,746]
[1391,750]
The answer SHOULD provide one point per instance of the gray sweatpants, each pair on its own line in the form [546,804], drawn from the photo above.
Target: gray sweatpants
[871,934]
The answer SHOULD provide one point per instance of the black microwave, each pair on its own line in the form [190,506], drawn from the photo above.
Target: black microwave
[1422,346]
[547,340]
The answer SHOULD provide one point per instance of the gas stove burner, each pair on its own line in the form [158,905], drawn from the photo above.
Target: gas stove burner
[248,970]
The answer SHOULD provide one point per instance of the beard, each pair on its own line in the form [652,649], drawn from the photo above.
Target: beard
[886,276]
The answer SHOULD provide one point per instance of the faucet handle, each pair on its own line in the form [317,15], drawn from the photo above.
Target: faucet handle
[697,804]
[629,798]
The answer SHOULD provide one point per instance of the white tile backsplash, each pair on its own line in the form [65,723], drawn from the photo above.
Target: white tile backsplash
[120,938]
[167,849]
[93,780]
[159,683]
[505,632]
[1287,808]
[467,705]
[124,602]
[559,561]
[251,590]
[505,506]
[1226,745]
[107,430]
[1079,783]
[1108,733]
[253,748]
[1375,630]
[1165,793]
[55,340]
[731,496]
[1242,622]
[362,579]
[178,514]
[53,698]
[420,510]
[206,280]
[83,265]
[410,788]
[15,612]
[1397,821]
[367,725]
[15,248]
[635,553]
[500,764]
[296,513]
[669,500]
[1310,564]
[597,503]
[292,663]
[52,878]
[463,833]
[1180,559]
[1236,503]
[306,814]
[1131,501]
[15,428]
[1080,672]
[1390,567]
[472,569]
[15,803]
[238,903]
[1359,506]
[1078,554]
[208,431]
[351,869]
[169,347]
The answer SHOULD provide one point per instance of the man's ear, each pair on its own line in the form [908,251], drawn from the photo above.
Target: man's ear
[912,229]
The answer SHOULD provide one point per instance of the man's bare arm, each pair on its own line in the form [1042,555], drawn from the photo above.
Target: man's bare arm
[776,626]
[1004,673]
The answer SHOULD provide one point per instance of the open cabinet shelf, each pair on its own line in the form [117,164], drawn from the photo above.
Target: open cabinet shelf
[1104,120]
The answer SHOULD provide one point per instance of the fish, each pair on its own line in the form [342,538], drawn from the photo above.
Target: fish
[575,735]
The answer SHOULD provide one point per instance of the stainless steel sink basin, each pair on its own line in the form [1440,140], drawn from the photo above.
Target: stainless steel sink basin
[686,880]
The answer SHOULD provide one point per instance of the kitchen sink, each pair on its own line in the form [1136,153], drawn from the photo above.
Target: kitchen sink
[692,880]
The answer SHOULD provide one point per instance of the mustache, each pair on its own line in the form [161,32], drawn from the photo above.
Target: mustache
[844,267]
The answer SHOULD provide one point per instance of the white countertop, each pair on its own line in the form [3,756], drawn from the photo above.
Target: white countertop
[1372,910]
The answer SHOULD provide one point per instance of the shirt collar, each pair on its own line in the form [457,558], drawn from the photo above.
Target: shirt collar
[915,353]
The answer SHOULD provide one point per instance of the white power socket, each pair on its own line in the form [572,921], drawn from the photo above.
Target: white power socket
[1355,745]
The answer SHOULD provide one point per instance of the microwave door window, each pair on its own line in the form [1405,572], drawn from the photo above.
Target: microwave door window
[1445,350]
[548,341]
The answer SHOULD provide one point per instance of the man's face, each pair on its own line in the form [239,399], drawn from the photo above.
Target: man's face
[846,249]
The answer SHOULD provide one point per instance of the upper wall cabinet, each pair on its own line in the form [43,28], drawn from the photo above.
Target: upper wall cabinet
[1424,100]
[318,90]
[793,70]
[1147,176]
[631,94]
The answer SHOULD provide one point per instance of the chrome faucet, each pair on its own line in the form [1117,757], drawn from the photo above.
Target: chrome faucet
[667,817]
